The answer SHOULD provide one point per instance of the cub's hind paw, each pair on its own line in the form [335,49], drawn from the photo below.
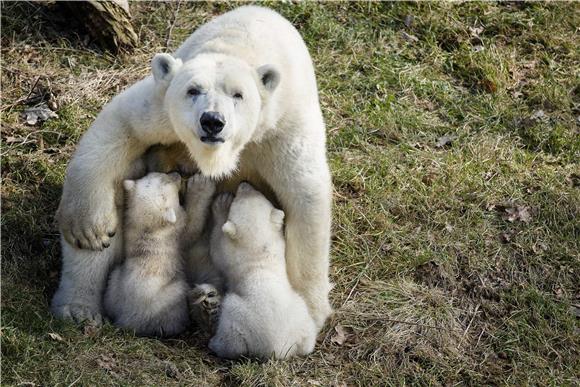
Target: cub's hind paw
[204,303]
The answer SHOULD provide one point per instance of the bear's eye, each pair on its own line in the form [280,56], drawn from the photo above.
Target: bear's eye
[238,96]
[193,91]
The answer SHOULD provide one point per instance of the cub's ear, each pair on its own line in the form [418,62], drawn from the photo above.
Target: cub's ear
[164,67]
[170,216]
[277,217]
[269,76]
[229,228]
[128,185]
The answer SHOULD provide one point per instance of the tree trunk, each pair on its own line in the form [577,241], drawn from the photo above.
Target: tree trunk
[109,22]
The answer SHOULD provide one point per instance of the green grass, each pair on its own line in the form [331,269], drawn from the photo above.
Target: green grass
[433,284]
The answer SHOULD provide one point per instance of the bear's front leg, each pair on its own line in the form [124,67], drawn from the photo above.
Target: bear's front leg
[88,213]
[302,184]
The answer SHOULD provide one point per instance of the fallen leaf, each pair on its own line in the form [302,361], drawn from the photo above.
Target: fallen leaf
[445,140]
[409,37]
[55,337]
[340,335]
[314,382]
[488,85]
[538,114]
[575,310]
[521,213]
[38,114]
[409,19]
[107,363]
[506,236]
[90,330]
[475,31]
[171,370]
[574,179]
[10,140]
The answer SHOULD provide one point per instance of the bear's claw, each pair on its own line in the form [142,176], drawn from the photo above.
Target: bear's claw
[204,303]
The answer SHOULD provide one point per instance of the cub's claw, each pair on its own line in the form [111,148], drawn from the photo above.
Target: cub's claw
[204,303]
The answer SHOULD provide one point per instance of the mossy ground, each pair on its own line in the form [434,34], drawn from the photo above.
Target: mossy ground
[454,144]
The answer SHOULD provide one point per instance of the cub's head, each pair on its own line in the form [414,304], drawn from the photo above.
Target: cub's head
[153,201]
[215,104]
[254,224]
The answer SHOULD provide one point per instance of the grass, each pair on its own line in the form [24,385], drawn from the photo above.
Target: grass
[435,284]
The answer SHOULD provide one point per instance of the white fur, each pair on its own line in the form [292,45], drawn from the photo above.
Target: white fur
[273,137]
[261,315]
[147,292]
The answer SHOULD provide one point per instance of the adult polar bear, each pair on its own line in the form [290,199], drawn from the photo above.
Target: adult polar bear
[241,94]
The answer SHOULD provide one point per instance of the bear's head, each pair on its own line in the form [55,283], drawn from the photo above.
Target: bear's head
[254,225]
[153,201]
[216,104]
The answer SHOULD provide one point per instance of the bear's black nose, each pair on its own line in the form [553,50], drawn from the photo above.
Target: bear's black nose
[212,123]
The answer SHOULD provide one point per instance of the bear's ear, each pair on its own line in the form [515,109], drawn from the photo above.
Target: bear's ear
[277,217]
[229,228]
[269,76]
[128,185]
[170,216]
[164,67]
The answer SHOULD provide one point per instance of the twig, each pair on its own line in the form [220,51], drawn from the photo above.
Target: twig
[25,99]
[172,24]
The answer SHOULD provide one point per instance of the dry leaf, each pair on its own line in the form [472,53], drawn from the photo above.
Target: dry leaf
[55,337]
[538,114]
[409,37]
[340,335]
[506,236]
[90,330]
[106,362]
[409,19]
[171,370]
[445,140]
[520,213]
[475,31]
[38,114]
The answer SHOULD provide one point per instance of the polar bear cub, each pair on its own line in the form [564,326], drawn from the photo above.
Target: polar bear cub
[147,292]
[261,315]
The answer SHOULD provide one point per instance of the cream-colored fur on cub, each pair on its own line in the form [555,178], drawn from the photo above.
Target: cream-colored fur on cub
[240,94]
[261,315]
[147,291]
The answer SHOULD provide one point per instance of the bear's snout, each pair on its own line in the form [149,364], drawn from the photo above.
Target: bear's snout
[212,123]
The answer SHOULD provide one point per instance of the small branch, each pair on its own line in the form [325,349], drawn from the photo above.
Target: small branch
[174,19]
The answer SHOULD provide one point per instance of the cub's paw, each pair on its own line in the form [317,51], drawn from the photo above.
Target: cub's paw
[79,313]
[88,227]
[204,303]
[221,206]
[199,185]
